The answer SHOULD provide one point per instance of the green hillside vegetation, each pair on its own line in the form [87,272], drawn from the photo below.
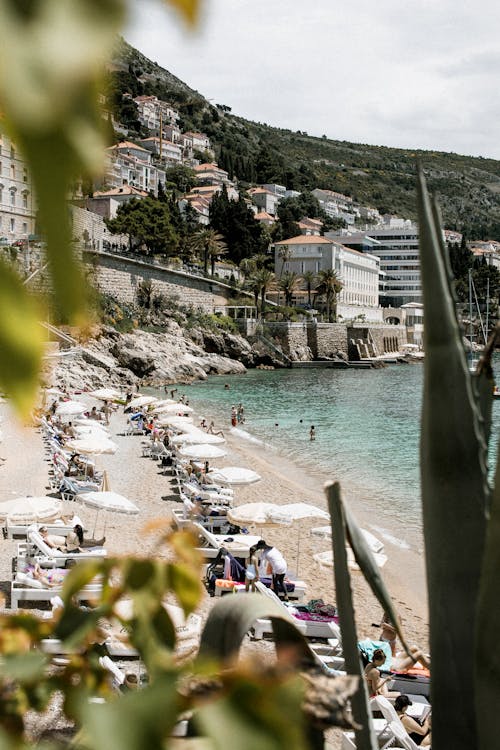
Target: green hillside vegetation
[468,188]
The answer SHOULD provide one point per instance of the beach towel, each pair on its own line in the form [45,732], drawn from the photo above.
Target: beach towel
[367,647]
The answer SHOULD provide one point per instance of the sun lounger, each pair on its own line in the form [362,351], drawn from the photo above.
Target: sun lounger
[48,556]
[21,530]
[310,628]
[210,544]
[26,589]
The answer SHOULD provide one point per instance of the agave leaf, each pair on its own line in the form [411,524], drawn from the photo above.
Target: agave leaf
[488,627]
[231,618]
[371,571]
[365,739]
[454,495]
[21,340]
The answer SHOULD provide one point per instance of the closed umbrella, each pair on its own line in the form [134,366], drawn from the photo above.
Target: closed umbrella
[202,451]
[30,509]
[233,475]
[70,408]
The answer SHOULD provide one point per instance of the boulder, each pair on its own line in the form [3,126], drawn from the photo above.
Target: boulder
[140,363]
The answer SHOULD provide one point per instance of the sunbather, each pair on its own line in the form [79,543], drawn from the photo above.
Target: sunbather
[420,733]
[377,685]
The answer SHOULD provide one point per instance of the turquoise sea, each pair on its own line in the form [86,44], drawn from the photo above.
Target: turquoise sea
[367,430]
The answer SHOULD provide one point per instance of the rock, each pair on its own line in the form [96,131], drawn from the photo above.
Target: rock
[98,359]
[132,359]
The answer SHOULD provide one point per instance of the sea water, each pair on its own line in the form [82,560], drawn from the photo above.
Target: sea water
[367,427]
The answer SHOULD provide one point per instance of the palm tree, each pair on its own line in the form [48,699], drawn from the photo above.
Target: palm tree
[266,278]
[329,286]
[284,254]
[288,282]
[309,277]
[215,248]
[206,244]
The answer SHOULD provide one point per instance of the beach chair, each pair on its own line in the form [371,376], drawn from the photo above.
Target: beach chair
[309,628]
[13,530]
[210,544]
[26,589]
[37,549]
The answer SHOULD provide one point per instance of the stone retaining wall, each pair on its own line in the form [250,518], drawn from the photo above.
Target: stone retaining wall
[120,277]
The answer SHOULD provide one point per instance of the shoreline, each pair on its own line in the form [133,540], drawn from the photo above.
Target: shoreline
[282,481]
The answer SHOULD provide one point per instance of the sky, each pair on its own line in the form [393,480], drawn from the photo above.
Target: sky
[405,73]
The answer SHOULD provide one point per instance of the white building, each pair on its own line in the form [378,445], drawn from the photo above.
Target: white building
[17,202]
[397,248]
[358,272]
[129,164]
[166,150]
[152,112]
[265,200]
[334,204]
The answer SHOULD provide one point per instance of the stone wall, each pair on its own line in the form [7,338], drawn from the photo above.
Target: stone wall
[331,338]
[89,229]
[120,278]
[377,340]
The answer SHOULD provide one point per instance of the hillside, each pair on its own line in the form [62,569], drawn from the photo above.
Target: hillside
[468,188]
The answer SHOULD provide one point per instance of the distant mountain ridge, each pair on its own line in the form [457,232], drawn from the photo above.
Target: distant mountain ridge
[467,187]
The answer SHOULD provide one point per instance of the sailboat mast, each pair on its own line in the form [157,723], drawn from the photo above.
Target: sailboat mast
[471,332]
[487,309]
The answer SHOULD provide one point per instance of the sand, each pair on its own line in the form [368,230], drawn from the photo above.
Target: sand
[25,471]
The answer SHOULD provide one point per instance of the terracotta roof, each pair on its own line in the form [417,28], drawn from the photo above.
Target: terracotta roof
[206,167]
[128,144]
[260,191]
[307,239]
[264,216]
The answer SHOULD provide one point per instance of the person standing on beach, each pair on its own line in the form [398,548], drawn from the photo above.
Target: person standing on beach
[241,414]
[234,416]
[251,570]
[312,433]
[278,566]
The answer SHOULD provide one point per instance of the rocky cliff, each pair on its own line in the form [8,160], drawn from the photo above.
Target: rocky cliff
[172,356]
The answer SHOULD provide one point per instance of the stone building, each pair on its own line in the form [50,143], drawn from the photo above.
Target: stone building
[17,201]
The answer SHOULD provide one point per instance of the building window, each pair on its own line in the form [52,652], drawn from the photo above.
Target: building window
[12,172]
[25,228]
[12,225]
[25,200]
[12,152]
[12,197]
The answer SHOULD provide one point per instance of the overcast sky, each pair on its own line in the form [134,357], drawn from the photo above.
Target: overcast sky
[409,73]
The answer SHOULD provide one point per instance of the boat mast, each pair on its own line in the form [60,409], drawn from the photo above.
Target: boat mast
[487,309]
[470,316]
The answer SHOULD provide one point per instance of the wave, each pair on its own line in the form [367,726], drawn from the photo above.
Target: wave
[244,435]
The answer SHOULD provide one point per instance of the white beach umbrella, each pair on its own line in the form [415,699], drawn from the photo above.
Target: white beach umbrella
[107,394]
[176,408]
[30,509]
[325,532]
[110,501]
[173,420]
[70,408]
[53,392]
[202,451]
[92,428]
[325,559]
[141,401]
[197,436]
[234,475]
[92,444]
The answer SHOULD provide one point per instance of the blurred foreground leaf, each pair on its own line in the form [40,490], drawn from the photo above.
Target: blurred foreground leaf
[21,340]
[187,8]
[51,57]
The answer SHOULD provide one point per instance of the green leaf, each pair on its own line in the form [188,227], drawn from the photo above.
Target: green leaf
[186,585]
[454,495]
[140,720]
[488,626]
[256,713]
[23,667]
[365,739]
[54,52]
[21,340]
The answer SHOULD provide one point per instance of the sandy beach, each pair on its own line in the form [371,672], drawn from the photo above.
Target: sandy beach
[25,471]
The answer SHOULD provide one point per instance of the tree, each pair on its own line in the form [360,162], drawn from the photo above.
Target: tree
[207,244]
[180,177]
[288,283]
[236,223]
[147,222]
[265,278]
[329,287]
[309,277]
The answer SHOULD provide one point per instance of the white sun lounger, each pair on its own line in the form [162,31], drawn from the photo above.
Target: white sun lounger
[24,590]
[50,557]
[310,628]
